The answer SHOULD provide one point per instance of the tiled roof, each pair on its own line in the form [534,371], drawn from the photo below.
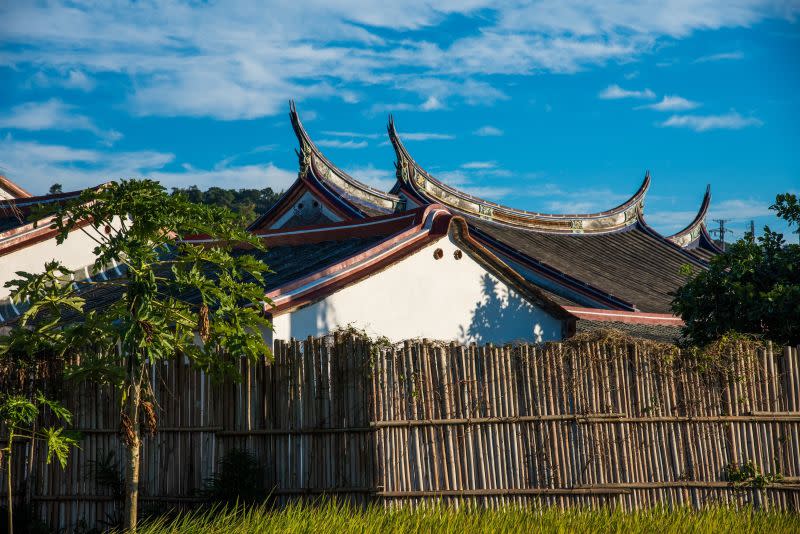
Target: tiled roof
[631,264]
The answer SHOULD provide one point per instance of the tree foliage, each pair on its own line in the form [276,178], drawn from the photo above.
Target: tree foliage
[752,288]
[164,297]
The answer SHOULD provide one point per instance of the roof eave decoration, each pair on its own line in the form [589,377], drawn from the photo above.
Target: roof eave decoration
[696,230]
[411,176]
[314,163]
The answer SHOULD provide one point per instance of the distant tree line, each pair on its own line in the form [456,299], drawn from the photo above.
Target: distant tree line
[246,203]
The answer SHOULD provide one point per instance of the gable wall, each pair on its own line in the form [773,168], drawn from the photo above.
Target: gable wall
[445,299]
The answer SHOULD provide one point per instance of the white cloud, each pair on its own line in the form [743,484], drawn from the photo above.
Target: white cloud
[720,57]
[702,123]
[238,176]
[36,166]
[53,115]
[673,103]
[488,131]
[242,60]
[479,165]
[336,143]
[390,107]
[72,79]
[357,135]
[425,136]
[432,104]
[740,209]
[614,92]
[78,80]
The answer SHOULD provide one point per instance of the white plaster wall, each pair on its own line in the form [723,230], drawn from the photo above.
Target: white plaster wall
[75,253]
[445,299]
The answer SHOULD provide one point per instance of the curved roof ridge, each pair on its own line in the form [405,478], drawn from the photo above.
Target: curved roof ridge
[410,175]
[312,159]
[694,229]
[13,189]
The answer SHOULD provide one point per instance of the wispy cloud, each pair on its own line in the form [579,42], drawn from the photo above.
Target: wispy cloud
[488,131]
[36,166]
[355,135]
[615,92]
[431,104]
[672,103]
[702,123]
[53,115]
[72,79]
[425,136]
[382,107]
[740,208]
[479,165]
[234,60]
[336,143]
[724,56]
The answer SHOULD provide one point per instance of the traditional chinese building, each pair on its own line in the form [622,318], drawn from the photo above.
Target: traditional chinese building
[427,260]
[605,267]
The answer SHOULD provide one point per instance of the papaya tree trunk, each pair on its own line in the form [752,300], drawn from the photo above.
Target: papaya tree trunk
[133,446]
[9,485]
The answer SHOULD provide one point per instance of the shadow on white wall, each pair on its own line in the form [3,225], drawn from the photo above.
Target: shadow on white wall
[502,317]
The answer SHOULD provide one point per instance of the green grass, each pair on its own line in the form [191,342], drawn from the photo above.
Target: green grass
[335,519]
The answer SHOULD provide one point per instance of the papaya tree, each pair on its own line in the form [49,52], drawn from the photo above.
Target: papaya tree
[29,353]
[155,295]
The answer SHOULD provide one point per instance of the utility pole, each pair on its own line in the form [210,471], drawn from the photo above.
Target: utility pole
[753,228]
[721,231]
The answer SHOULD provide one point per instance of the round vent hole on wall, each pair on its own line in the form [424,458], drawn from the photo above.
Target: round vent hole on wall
[437,254]
[315,204]
[457,254]
[300,206]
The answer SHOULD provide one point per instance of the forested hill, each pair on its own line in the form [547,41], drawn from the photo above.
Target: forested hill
[247,203]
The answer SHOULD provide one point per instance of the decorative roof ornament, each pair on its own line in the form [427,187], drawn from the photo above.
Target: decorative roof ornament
[304,156]
[431,190]
[695,234]
[315,165]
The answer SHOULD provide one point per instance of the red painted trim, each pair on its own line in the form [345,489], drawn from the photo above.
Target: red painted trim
[372,251]
[14,189]
[593,314]
[363,271]
[437,222]
[30,234]
[372,226]
[26,203]
[311,236]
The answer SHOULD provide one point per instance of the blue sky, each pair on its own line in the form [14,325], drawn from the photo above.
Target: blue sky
[548,106]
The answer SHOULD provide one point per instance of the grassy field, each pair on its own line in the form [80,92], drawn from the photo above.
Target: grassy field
[334,519]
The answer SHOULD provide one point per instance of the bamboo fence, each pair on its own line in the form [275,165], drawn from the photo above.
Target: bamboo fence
[591,421]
